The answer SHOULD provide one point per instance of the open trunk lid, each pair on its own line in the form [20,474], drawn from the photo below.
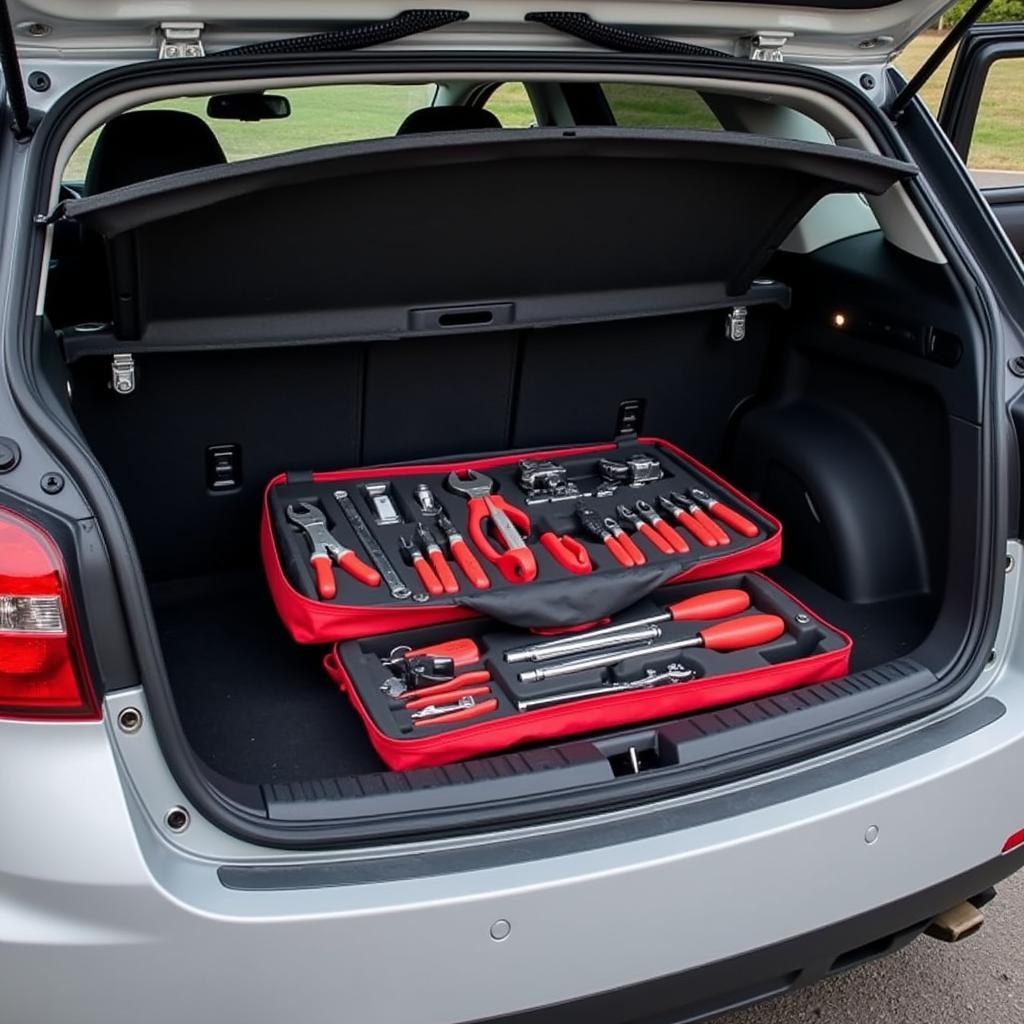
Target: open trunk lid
[805,31]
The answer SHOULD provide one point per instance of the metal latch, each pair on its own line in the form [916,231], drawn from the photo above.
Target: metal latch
[181,39]
[736,323]
[122,368]
[767,46]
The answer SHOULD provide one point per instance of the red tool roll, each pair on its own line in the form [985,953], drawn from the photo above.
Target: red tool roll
[579,577]
[761,640]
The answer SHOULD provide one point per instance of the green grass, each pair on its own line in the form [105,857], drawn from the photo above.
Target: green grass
[999,133]
[338,113]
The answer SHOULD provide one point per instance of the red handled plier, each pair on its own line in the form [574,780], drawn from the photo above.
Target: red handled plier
[632,518]
[327,549]
[445,714]
[466,681]
[729,516]
[699,526]
[510,524]
[650,514]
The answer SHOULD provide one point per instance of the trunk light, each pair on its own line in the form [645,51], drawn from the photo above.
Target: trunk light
[1014,841]
[42,673]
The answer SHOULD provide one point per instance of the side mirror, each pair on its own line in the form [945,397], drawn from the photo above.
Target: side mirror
[248,106]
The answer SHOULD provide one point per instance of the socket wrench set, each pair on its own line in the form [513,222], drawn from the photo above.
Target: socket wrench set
[446,693]
[547,539]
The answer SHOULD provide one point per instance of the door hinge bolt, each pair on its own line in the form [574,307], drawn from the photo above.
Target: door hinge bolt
[736,323]
[122,369]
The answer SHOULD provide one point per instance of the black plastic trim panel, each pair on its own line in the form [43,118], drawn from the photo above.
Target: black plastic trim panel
[665,820]
[684,747]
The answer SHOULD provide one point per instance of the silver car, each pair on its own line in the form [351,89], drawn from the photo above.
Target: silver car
[236,245]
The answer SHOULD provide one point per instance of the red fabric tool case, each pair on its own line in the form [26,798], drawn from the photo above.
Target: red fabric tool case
[578,580]
[808,650]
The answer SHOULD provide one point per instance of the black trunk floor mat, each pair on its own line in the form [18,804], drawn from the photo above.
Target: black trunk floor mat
[258,708]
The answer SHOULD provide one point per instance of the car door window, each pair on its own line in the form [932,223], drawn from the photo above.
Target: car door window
[996,154]
[658,106]
[510,104]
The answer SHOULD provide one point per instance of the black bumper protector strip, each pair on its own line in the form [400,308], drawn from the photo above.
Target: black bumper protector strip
[89,476]
[702,992]
[420,865]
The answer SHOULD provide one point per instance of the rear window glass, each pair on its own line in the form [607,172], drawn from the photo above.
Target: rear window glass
[658,106]
[319,115]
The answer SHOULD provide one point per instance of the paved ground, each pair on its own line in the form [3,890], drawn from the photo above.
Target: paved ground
[979,981]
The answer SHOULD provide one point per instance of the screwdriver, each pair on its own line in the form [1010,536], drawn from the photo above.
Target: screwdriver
[733,635]
[715,604]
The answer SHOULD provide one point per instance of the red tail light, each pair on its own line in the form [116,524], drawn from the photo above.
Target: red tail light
[42,672]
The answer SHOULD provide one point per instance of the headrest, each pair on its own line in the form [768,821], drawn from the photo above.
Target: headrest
[447,119]
[144,144]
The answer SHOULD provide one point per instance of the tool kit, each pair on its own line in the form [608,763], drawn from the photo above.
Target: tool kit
[549,539]
[446,693]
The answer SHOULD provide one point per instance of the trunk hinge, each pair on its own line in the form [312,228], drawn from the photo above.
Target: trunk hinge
[15,86]
[767,46]
[946,46]
[181,39]
[122,370]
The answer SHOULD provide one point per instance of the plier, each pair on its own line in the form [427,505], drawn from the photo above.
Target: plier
[327,549]
[466,681]
[445,714]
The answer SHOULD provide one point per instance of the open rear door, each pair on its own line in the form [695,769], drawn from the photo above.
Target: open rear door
[983,114]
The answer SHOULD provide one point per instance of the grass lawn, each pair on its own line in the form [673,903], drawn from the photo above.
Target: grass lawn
[325,114]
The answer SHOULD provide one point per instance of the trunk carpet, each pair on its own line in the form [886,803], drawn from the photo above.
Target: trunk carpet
[258,708]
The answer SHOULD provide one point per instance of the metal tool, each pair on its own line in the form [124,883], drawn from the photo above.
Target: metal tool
[384,511]
[654,519]
[517,562]
[625,541]
[545,481]
[427,501]
[445,714]
[418,560]
[633,519]
[673,674]
[326,548]
[732,635]
[585,642]
[392,580]
[715,604]
[461,553]
[452,687]
[436,558]
[592,522]
[636,471]
[729,516]
[686,519]
[698,513]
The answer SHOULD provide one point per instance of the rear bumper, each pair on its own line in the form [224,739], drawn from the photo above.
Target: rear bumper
[707,902]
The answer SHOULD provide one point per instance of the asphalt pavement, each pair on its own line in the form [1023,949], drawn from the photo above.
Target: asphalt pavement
[978,980]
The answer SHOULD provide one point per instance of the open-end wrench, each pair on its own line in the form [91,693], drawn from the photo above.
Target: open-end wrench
[388,572]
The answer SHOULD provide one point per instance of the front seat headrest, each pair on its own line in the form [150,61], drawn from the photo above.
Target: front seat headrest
[447,119]
[144,144]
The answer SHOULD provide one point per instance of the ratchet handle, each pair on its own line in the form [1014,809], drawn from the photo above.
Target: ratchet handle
[443,572]
[468,563]
[358,569]
[715,604]
[737,634]
[325,585]
[740,523]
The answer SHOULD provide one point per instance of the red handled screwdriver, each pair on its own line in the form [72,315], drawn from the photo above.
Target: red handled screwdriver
[729,516]
[715,604]
[732,635]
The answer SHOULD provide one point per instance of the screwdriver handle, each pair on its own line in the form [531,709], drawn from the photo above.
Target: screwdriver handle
[737,634]
[715,604]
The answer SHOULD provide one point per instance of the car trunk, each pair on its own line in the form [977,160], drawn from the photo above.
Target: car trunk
[308,332]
